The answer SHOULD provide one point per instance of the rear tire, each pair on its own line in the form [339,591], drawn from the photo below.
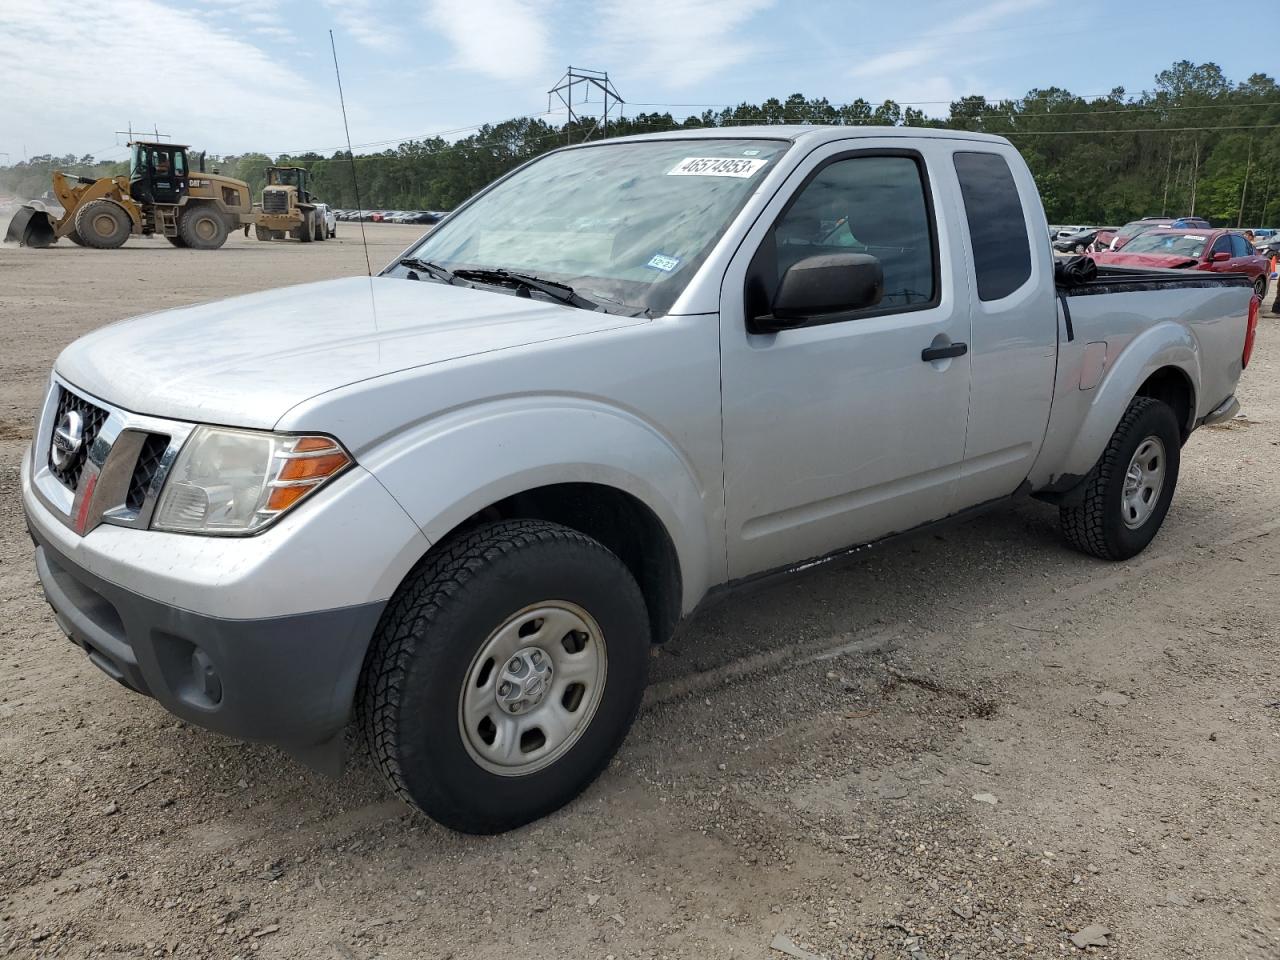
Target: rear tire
[449,649]
[103,224]
[262,233]
[305,229]
[1128,492]
[321,232]
[202,227]
[1260,287]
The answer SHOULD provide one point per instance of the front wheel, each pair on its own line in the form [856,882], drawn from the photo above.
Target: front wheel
[504,674]
[202,227]
[1128,492]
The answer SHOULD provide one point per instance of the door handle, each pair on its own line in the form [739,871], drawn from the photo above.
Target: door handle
[944,353]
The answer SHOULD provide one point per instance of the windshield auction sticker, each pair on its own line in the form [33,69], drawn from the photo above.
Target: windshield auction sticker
[740,167]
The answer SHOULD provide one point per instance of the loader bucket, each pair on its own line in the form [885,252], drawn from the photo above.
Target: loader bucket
[31,227]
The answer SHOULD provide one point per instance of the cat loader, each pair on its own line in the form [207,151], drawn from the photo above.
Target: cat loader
[288,208]
[161,196]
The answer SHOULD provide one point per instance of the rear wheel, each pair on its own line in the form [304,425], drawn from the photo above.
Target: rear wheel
[103,224]
[504,675]
[321,233]
[1260,287]
[262,233]
[305,229]
[1128,492]
[202,228]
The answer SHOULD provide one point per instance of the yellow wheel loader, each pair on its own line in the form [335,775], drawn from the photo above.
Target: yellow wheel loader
[288,209]
[161,195]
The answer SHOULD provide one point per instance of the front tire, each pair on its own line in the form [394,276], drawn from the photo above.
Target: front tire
[504,675]
[1128,492]
[103,224]
[202,228]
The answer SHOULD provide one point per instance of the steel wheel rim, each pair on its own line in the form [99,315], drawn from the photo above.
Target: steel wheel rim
[1143,481]
[533,688]
[205,228]
[104,225]
[1260,287]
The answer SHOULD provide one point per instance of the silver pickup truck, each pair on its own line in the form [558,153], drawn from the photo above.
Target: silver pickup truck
[458,501]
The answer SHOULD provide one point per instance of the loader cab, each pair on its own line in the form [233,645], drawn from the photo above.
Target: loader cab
[290,177]
[158,172]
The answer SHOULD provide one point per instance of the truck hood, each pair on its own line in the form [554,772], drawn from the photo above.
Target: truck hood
[1160,261]
[247,360]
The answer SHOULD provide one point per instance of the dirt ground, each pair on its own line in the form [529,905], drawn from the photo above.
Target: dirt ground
[971,744]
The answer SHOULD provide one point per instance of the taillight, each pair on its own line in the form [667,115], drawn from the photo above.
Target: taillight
[1251,331]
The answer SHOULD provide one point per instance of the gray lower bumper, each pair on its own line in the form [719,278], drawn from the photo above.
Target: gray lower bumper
[287,680]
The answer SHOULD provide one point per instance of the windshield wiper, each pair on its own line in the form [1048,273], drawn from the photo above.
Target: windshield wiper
[427,267]
[556,291]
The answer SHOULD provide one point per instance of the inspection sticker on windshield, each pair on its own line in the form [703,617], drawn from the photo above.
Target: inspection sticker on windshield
[661,261]
[739,167]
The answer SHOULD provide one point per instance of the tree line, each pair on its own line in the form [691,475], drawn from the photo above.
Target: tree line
[1196,144]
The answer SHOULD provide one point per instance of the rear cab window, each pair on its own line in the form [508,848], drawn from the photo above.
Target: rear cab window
[997,225]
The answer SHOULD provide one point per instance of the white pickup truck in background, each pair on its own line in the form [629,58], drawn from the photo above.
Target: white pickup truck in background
[458,501]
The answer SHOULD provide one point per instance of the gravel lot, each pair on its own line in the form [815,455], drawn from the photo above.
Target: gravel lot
[971,744]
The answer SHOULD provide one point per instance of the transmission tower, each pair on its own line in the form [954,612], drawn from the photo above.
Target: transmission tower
[582,82]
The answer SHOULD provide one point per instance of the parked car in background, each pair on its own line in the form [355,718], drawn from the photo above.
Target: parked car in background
[1077,242]
[1220,251]
[328,219]
[1138,227]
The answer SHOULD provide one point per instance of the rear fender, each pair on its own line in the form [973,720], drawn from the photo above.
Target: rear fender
[1164,345]
[450,468]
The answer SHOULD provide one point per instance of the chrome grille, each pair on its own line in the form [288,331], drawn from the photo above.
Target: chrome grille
[68,474]
[144,472]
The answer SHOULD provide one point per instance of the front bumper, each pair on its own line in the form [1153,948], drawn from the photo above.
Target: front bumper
[286,680]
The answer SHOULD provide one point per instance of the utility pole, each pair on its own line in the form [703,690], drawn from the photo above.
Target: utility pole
[584,80]
[1245,189]
[1168,167]
[1195,178]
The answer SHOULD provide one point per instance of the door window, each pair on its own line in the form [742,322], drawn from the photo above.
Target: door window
[1221,245]
[997,227]
[180,163]
[872,204]
[1240,247]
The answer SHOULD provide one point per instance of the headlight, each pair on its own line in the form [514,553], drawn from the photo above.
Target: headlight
[235,482]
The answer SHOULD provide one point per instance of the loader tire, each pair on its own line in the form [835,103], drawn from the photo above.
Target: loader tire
[322,232]
[103,224]
[177,242]
[262,233]
[75,237]
[306,229]
[202,228]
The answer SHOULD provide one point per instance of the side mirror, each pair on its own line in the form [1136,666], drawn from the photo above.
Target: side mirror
[1220,256]
[823,284]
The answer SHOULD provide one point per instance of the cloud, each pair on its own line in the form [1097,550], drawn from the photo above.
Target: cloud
[81,69]
[358,19]
[683,41]
[944,43]
[503,39]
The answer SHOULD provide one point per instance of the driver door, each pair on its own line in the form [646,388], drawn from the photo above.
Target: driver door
[843,430]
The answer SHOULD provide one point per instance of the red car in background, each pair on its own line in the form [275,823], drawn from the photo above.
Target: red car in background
[1222,251]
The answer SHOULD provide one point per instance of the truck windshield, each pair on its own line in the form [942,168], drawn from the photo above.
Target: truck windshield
[625,224]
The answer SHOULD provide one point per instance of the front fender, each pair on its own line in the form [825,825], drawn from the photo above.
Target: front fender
[451,467]
[1166,344]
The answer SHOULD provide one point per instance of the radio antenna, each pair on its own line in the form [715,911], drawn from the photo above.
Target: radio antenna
[351,155]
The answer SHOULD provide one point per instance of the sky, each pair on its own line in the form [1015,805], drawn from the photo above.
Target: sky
[230,76]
